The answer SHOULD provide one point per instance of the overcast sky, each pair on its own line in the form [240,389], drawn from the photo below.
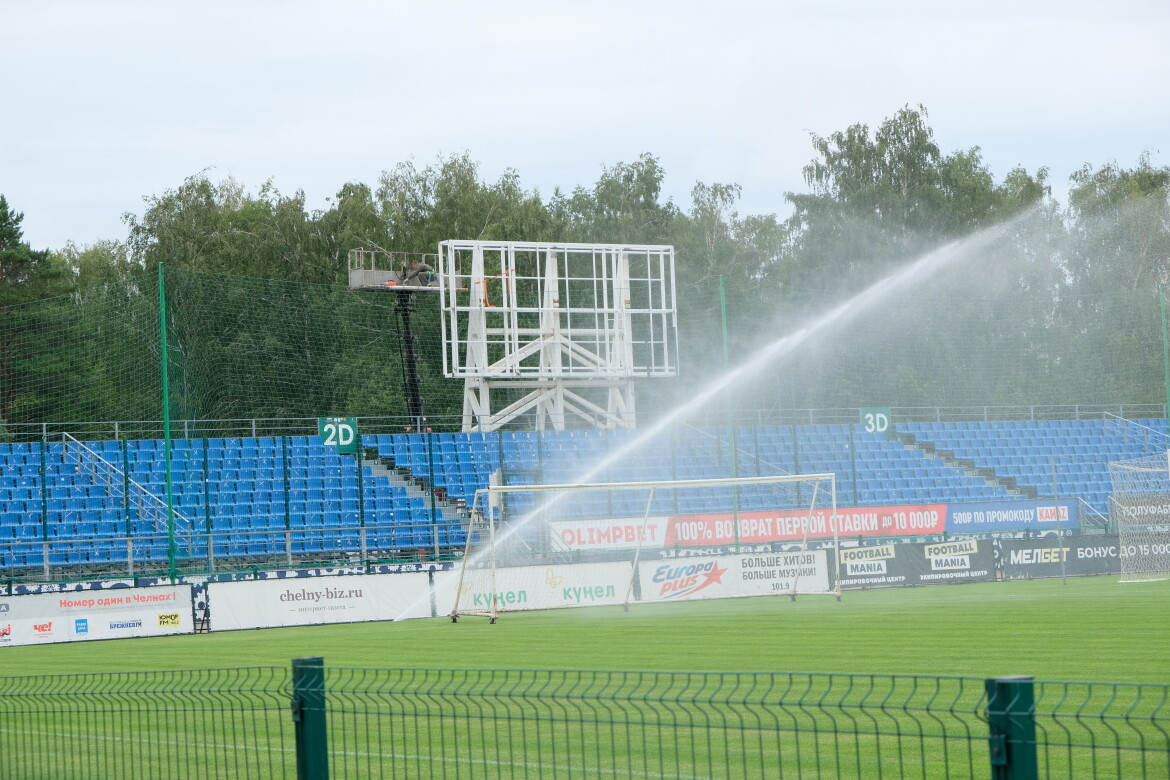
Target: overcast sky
[107,102]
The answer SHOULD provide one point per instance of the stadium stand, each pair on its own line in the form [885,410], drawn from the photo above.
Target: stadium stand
[1065,458]
[268,497]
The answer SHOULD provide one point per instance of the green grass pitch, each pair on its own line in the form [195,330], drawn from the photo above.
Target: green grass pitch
[1090,629]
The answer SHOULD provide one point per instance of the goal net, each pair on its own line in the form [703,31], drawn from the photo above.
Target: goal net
[565,545]
[1140,504]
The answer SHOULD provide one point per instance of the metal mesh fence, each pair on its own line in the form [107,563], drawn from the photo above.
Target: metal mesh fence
[175,724]
[321,722]
[425,723]
[1102,730]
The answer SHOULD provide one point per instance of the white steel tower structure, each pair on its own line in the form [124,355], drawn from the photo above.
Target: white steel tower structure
[555,332]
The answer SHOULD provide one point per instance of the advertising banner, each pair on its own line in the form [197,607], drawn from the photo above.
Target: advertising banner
[708,530]
[1146,508]
[727,576]
[1011,516]
[1070,556]
[305,601]
[875,566]
[611,534]
[113,613]
[556,586]
[970,560]
[885,565]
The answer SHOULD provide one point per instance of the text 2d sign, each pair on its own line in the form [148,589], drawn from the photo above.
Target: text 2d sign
[339,432]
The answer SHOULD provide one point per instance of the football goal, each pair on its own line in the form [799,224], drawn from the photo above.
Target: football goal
[1140,504]
[548,546]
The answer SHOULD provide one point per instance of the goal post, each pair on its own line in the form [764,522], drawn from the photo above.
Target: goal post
[548,546]
[1140,505]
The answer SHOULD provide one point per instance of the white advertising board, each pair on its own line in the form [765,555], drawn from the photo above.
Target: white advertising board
[305,601]
[558,585]
[112,613]
[729,576]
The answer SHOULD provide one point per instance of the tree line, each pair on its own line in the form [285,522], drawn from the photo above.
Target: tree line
[1070,280]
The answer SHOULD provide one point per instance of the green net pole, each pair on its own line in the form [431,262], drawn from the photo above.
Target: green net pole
[166,415]
[361,492]
[732,453]
[207,507]
[287,483]
[127,508]
[796,463]
[43,470]
[853,462]
[434,482]
[43,473]
[1165,347]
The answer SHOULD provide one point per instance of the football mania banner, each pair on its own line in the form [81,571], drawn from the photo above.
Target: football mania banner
[898,564]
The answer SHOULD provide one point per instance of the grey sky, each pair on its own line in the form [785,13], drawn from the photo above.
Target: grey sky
[111,101]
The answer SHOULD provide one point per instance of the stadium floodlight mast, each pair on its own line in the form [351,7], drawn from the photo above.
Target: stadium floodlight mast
[515,548]
[555,331]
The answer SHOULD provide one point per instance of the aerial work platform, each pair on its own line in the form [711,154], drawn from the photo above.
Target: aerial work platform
[371,269]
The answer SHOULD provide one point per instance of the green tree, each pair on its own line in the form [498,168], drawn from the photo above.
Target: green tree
[879,200]
[623,206]
[99,263]
[25,274]
[221,227]
[28,357]
[1117,261]
[713,242]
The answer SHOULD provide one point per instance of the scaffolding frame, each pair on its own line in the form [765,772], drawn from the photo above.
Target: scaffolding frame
[558,331]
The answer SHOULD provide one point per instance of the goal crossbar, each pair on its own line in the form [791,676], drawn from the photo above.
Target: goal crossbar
[667,484]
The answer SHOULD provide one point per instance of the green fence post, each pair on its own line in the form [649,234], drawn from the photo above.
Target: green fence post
[308,709]
[1011,720]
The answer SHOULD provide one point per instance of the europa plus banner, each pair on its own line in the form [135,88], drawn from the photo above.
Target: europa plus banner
[110,613]
[728,576]
[1011,516]
[710,530]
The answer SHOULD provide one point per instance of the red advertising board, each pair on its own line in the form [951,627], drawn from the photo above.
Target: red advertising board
[759,527]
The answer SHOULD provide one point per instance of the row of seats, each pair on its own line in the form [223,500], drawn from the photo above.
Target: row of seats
[149,545]
[249,477]
[88,502]
[1067,458]
[872,467]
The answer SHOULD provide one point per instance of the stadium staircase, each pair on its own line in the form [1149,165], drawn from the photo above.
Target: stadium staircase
[969,466]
